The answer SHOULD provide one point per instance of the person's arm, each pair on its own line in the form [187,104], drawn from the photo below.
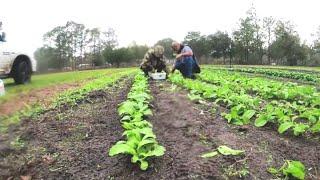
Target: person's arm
[187,52]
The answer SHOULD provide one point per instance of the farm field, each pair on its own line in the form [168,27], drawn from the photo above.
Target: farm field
[117,124]
[294,68]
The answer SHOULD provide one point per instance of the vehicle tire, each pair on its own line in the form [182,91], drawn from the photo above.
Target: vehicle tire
[22,73]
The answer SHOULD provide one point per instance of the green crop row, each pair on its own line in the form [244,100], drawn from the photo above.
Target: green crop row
[245,108]
[70,97]
[140,141]
[73,96]
[281,73]
[267,89]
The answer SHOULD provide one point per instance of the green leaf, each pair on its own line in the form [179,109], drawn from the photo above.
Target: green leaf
[194,97]
[210,154]
[158,150]
[273,170]
[295,168]
[143,165]
[285,126]
[135,158]
[147,112]
[146,141]
[248,115]
[125,118]
[316,128]
[147,132]
[225,150]
[299,128]
[127,107]
[261,120]
[228,117]
[121,148]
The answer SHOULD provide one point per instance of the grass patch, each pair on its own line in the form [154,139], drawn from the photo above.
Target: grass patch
[45,80]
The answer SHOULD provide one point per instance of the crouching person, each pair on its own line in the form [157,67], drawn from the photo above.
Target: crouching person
[154,61]
[185,62]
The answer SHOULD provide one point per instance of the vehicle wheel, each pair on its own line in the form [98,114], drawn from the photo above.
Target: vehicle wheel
[22,73]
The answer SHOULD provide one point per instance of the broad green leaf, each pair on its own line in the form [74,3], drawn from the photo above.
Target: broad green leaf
[147,112]
[143,165]
[146,141]
[295,168]
[194,97]
[125,118]
[299,128]
[210,154]
[285,126]
[261,120]
[147,132]
[128,107]
[225,150]
[238,121]
[228,117]
[273,171]
[158,150]
[248,115]
[127,125]
[136,124]
[135,158]
[316,128]
[121,148]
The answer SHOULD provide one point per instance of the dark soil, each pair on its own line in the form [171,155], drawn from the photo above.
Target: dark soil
[73,143]
[69,143]
[264,147]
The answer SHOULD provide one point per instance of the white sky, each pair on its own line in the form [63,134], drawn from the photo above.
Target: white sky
[146,21]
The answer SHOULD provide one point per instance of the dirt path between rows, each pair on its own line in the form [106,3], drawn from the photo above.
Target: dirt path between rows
[188,130]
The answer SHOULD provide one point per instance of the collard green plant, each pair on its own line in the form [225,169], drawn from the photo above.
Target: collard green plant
[140,140]
[290,169]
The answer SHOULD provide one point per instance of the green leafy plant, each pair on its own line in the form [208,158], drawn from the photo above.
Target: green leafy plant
[293,169]
[140,141]
[141,144]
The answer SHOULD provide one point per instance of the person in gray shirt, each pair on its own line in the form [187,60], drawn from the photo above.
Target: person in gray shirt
[185,62]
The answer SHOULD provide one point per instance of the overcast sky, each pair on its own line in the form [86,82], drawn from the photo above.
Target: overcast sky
[146,21]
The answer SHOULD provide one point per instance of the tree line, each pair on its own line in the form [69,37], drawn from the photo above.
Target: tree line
[72,45]
[256,41]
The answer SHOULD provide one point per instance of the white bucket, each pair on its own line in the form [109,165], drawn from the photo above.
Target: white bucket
[158,76]
[2,92]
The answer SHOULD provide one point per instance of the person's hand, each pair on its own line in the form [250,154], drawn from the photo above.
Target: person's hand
[173,69]
[178,56]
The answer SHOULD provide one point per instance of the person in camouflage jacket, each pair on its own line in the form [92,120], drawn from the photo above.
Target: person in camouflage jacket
[154,61]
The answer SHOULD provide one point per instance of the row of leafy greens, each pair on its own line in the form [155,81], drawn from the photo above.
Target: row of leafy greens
[140,141]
